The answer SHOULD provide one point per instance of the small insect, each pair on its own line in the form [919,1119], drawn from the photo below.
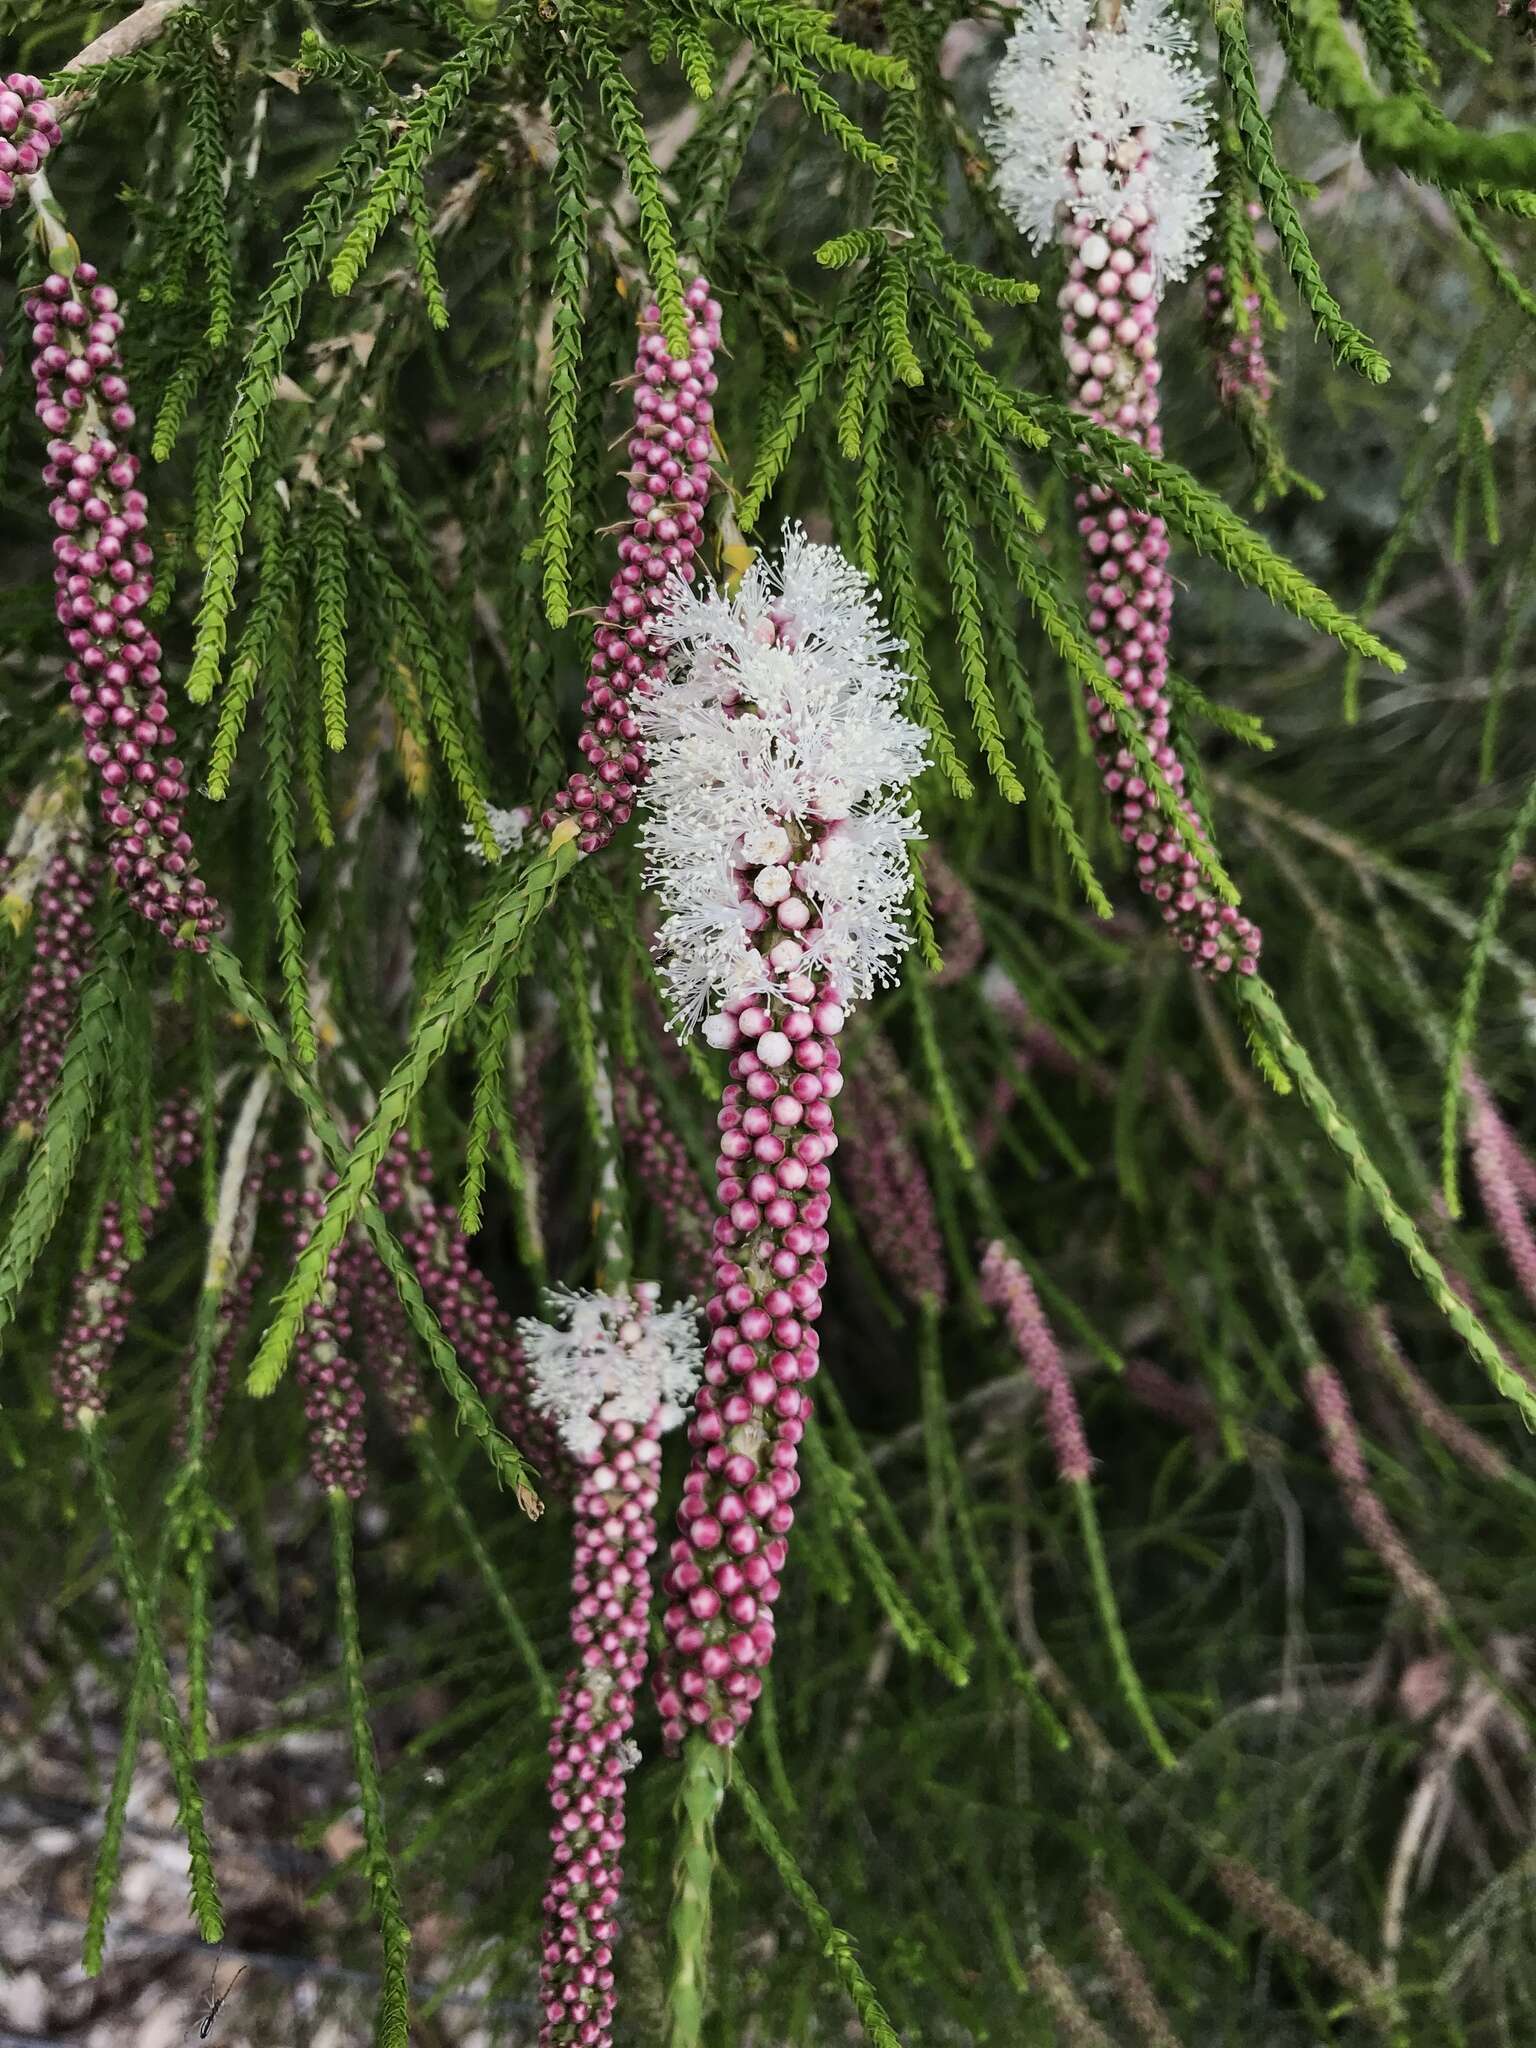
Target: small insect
[215,1997]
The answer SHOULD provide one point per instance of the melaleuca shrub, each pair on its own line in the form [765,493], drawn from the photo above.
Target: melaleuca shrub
[628,634]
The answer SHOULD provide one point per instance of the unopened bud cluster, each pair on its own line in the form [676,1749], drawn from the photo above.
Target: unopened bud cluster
[614,1371]
[333,1392]
[61,953]
[1109,335]
[670,450]
[887,1182]
[1102,135]
[1234,325]
[778,833]
[104,580]
[28,131]
[1006,1287]
[104,562]
[464,1302]
[97,1321]
[668,1176]
[771,1238]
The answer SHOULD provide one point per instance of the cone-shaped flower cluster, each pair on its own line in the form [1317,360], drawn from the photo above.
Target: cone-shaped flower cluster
[233,1328]
[777,831]
[333,1393]
[1127,1972]
[1101,139]
[1006,1287]
[104,581]
[887,1182]
[61,953]
[1033,1043]
[1506,1182]
[610,1358]
[615,1371]
[956,920]
[1267,1906]
[240,1279]
[1341,1439]
[1090,123]
[98,1312]
[667,1175]
[384,1336]
[669,450]
[508,829]
[777,827]
[1377,1347]
[104,574]
[1177,1401]
[527,1103]
[28,131]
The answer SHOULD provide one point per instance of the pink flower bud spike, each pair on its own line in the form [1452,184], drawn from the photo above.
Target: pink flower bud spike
[1101,134]
[1007,1287]
[777,829]
[614,1371]
[1378,1531]
[104,575]
[61,954]
[670,448]
[97,1321]
[104,580]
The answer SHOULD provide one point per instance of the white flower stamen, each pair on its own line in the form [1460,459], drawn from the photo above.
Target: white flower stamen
[1091,122]
[779,745]
[605,1358]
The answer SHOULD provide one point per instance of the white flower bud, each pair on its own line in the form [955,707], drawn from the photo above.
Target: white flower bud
[762,845]
[772,885]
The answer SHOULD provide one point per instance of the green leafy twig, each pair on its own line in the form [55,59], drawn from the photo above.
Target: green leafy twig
[276,325]
[392,2020]
[491,938]
[1464,1029]
[423,127]
[1153,484]
[1270,1021]
[1349,345]
[207,1913]
[836,1945]
[472,1414]
[569,287]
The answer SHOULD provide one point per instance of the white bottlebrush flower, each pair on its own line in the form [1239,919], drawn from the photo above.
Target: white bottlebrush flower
[1090,121]
[604,1358]
[779,744]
